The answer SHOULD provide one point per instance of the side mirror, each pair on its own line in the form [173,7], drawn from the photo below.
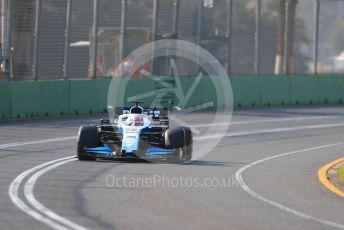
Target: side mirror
[104,121]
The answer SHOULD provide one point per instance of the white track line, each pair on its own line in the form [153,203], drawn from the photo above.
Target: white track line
[246,188]
[263,121]
[28,192]
[3,146]
[13,193]
[266,131]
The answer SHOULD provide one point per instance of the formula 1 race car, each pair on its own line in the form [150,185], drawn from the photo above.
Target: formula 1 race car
[135,133]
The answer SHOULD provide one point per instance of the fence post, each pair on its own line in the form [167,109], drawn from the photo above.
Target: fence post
[6,21]
[199,30]
[176,4]
[155,19]
[94,39]
[316,36]
[123,32]
[228,35]
[257,38]
[286,36]
[67,34]
[199,22]
[36,40]
[154,31]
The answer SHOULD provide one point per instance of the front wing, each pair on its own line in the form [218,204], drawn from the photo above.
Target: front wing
[151,153]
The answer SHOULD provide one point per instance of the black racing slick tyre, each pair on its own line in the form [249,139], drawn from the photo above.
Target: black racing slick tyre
[87,138]
[180,138]
[188,144]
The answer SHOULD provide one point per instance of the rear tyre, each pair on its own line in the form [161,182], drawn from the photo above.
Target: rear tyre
[87,138]
[180,138]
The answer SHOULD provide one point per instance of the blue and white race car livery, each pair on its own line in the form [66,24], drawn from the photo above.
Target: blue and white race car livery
[136,133]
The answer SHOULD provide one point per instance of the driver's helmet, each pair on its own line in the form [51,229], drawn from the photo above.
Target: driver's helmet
[136,110]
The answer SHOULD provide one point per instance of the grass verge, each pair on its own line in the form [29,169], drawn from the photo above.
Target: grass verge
[341,173]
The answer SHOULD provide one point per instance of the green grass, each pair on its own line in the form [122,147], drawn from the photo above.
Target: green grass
[341,173]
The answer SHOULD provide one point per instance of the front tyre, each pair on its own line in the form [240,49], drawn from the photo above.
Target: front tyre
[180,138]
[187,150]
[87,138]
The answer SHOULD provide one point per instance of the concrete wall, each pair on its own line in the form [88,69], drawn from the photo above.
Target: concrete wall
[24,99]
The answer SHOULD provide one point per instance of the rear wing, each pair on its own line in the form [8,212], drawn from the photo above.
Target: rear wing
[154,112]
[160,114]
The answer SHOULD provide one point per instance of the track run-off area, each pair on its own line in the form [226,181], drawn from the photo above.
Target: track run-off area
[262,175]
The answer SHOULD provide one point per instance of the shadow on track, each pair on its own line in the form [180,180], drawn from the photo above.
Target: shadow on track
[162,162]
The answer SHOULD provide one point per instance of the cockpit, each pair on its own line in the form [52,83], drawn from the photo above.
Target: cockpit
[136,109]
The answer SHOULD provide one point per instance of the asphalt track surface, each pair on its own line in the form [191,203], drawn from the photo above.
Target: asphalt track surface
[265,171]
